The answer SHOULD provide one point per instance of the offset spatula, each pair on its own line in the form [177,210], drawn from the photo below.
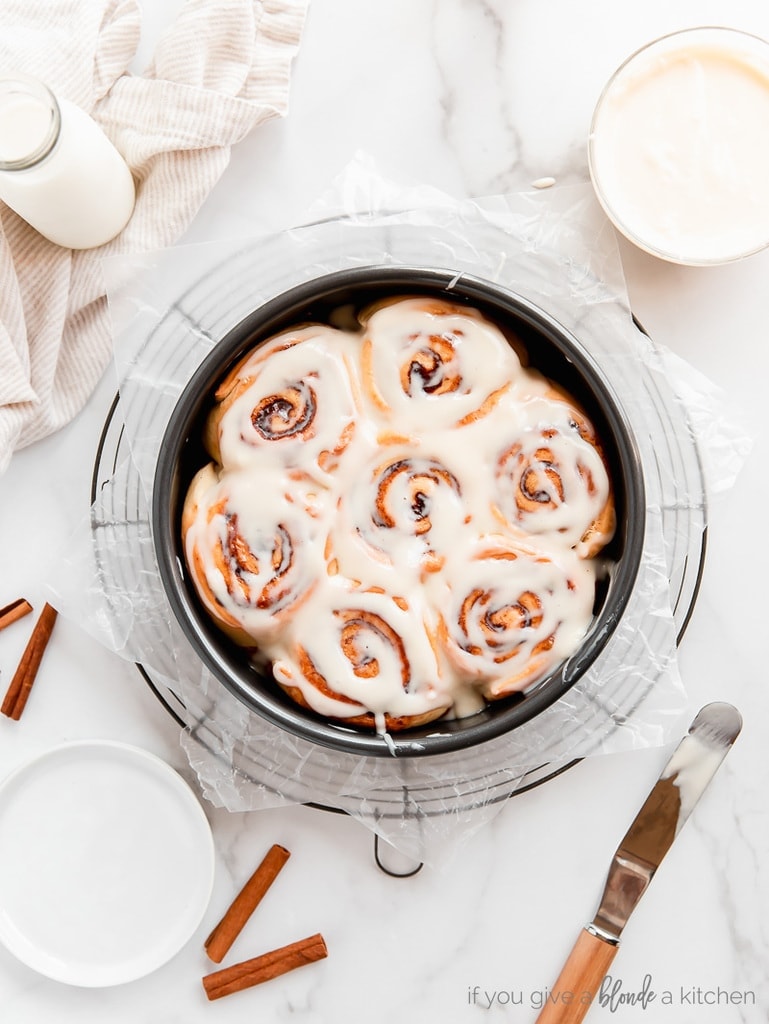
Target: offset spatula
[682,783]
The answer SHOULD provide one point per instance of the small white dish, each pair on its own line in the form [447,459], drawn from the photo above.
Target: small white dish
[106,863]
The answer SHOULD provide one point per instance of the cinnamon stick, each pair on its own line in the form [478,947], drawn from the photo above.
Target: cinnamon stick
[265,967]
[26,673]
[15,610]
[245,903]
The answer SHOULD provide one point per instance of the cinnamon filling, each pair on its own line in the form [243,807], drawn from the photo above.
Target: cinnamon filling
[289,414]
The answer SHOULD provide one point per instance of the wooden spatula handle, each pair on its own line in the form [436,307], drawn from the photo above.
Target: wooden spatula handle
[580,980]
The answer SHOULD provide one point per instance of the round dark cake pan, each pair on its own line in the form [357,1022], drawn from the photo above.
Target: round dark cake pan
[552,349]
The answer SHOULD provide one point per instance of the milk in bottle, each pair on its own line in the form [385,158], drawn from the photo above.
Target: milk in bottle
[58,170]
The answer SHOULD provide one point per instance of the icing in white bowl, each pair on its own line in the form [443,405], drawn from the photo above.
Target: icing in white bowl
[679,149]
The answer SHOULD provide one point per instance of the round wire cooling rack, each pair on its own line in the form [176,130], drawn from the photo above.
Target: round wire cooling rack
[120,523]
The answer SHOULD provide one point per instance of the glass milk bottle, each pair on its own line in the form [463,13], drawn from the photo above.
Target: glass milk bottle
[58,170]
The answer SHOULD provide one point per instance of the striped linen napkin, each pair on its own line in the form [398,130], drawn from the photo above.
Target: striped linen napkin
[220,69]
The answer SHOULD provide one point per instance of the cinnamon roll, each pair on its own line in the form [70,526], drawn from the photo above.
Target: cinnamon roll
[427,363]
[552,479]
[362,657]
[396,518]
[292,402]
[250,550]
[512,614]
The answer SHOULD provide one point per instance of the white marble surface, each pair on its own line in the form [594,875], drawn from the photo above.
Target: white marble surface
[475,97]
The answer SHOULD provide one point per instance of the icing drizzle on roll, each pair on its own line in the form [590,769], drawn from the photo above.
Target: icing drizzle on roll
[513,613]
[361,656]
[290,404]
[253,562]
[428,358]
[551,477]
[403,520]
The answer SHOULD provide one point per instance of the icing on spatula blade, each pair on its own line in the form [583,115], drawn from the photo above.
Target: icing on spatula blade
[683,781]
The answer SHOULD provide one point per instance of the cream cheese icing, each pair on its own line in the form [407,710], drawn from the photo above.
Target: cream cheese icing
[412,535]
[679,153]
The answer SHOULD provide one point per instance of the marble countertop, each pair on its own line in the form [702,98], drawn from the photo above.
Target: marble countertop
[474,98]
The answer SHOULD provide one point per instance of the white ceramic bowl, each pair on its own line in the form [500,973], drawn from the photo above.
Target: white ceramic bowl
[679,147]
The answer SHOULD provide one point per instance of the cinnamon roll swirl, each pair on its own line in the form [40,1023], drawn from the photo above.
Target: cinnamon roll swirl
[552,479]
[396,519]
[512,614]
[430,363]
[249,547]
[292,402]
[364,658]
